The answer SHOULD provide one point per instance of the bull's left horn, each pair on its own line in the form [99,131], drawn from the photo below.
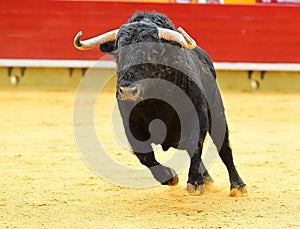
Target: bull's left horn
[94,42]
[182,38]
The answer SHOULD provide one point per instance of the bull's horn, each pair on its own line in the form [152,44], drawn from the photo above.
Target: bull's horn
[182,38]
[189,40]
[94,42]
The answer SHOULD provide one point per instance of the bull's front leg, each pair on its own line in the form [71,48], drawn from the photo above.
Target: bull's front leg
[195,183]
[163,174]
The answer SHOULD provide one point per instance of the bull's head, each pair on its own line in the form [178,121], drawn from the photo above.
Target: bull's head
[127,86]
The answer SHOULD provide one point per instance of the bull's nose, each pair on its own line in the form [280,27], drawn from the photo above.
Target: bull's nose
[129,93]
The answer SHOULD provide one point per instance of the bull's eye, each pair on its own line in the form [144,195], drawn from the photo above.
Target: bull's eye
[120,90]
[134,91]
[150,57]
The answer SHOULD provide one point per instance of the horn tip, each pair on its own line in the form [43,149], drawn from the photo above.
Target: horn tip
[78,35]
[191,44]
[77,43]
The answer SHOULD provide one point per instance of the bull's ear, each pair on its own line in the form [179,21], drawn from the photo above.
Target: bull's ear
[108,47]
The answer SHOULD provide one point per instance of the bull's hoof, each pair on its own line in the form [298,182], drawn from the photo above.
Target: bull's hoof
[174,181]
[238,191]
[165,175]
[195,189]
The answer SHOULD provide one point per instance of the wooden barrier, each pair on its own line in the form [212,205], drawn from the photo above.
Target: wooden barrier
[230,33]
[111,64]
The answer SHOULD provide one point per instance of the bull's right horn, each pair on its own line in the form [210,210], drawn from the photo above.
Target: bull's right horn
[94,42]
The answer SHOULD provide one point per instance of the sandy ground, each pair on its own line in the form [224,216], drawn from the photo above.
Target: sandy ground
[44,182]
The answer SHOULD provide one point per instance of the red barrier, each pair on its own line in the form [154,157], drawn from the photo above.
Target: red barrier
[230,33]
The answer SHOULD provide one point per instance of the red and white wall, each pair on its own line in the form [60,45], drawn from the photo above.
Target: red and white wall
[256,33]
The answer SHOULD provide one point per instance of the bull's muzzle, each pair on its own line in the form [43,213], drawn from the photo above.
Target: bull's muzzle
[129,93]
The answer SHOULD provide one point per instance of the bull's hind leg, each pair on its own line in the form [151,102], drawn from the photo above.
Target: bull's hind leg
[163,174]
[237,186]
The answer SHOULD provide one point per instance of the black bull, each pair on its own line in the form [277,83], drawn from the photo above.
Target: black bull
[159,79]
